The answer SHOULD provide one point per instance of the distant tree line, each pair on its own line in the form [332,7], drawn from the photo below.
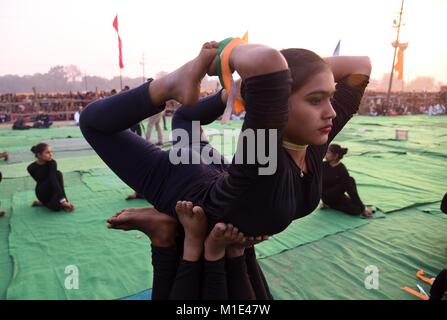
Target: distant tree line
[70,78]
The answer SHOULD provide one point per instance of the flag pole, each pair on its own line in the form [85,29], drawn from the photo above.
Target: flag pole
[121,80]
[394,57]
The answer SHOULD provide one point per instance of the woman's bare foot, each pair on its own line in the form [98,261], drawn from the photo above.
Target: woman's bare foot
[183,84]
[222,236]
[159,227]
[132,196]
[68,207]
[367,213]
[324,206]
[194,222]
[36,203]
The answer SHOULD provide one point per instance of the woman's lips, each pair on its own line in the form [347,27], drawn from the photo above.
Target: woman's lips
[326,129]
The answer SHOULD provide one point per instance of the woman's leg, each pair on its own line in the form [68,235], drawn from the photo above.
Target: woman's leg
[141,165]
[190,121]
[47,197]
[60,180]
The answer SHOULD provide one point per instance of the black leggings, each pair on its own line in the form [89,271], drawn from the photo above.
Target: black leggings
[140,164]
[335,197]
[235,278]
[49,197]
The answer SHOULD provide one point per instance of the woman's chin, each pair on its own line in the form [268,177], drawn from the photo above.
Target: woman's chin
[318,141]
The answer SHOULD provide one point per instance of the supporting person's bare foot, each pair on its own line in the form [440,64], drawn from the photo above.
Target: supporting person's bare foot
[36,203]
[159,227]
[237,248]
[194,222]
[183,84]
[220,237]
[251,241]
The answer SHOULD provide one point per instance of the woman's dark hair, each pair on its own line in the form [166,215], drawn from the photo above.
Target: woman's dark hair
[338,150]
[303,65]
[39,148]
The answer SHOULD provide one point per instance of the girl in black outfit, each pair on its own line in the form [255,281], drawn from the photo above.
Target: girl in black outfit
[337,183]
[293,93]
[50,184]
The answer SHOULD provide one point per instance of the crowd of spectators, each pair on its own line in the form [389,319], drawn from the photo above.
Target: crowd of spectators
[63,106]
[403,103]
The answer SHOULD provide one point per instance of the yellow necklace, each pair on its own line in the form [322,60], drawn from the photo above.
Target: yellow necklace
[293,146]
[296,147]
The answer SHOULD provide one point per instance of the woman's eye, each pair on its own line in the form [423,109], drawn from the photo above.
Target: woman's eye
[315,101]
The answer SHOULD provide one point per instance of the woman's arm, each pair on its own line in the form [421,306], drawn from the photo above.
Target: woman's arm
[343,66]
[57,188]
[352,76]
[251,60]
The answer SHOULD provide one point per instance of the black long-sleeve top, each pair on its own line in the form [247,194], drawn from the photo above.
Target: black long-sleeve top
[46,172]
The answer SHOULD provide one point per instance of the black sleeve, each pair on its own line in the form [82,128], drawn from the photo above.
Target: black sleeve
[31,169]
[53,179]
[348,94]
[343,172]
[266,103]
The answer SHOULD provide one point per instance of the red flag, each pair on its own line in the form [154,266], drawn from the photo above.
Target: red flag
[399,66]
[115,25]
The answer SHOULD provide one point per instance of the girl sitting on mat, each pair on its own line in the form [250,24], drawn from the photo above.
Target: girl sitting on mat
[50,183]
[337,183]
[294,95]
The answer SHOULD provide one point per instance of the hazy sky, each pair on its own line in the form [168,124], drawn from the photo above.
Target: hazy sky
[38,34]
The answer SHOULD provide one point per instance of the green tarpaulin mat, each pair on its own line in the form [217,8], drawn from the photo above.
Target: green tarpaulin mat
[334,267]
[391,175]
[46,246]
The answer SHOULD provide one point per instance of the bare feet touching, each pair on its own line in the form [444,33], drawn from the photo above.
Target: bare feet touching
[194,222]
[159,227]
